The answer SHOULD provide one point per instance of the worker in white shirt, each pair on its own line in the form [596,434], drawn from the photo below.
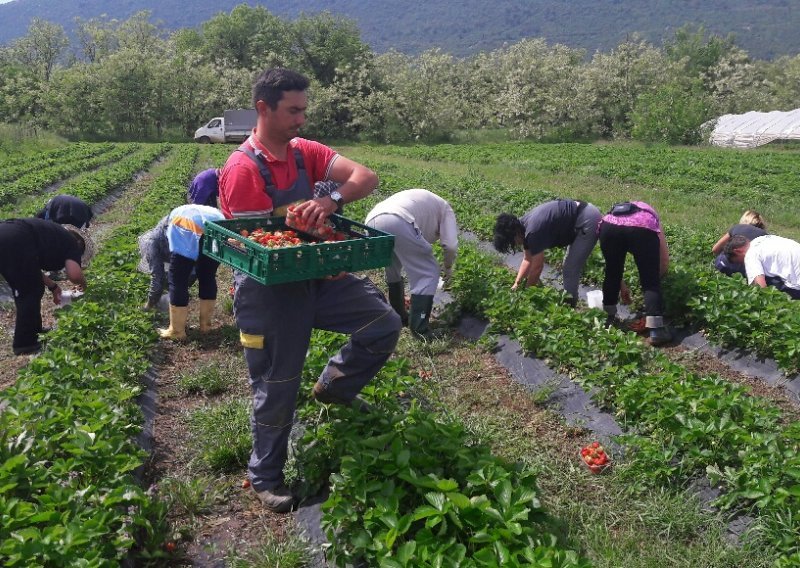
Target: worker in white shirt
[769,261]
[417,218]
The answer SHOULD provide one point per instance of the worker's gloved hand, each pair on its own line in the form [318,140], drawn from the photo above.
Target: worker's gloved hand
[150,304]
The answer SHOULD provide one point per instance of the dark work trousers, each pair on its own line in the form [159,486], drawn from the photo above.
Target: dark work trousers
[616,242]
[19,265]
[180,272]
[780,284]
[275,323]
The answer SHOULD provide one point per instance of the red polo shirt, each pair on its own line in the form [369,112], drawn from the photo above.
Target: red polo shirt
[241,187]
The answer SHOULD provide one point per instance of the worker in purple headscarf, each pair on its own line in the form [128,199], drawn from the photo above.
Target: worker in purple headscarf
[204,188]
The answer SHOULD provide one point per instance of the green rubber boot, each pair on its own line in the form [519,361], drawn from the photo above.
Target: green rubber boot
[421,307]
[397,299]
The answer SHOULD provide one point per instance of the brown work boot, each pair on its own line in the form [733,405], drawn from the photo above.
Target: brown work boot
[278,499]
[659,334]
[323,394]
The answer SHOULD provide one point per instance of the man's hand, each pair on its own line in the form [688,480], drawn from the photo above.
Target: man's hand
[56,295]
[447,275]
[336,276]
[314,212]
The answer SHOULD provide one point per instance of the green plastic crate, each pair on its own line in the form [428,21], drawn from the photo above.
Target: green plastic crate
[366,248]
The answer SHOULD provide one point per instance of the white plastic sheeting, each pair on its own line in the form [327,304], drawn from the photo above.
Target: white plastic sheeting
[753,129]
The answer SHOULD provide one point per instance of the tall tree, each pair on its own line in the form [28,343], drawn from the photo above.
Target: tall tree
[138,33]
[43,45]
[783,77]
[98,37]
[248,37]
[618,78]
[695,51]
[540,91]
[322,43]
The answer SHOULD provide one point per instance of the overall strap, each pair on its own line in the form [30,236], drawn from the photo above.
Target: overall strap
[260,164]
[301,188]
[263,169]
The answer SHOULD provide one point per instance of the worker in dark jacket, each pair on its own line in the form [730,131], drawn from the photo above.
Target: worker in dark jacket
[67,210]
[558,223]
[27,248]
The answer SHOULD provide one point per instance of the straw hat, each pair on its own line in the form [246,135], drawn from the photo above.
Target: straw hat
[88,243]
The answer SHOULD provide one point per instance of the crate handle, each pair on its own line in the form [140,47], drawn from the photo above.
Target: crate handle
[241,249]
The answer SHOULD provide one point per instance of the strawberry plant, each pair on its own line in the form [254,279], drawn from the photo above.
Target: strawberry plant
[68,427]
[680,424]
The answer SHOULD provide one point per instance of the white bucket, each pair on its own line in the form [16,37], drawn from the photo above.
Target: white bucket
[68,295]
[595,298]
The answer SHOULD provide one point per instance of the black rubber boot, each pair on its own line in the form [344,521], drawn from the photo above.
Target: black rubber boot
[611,315]
[421,307]
[397,299]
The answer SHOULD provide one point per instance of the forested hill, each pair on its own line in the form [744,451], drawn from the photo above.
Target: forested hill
[765,28]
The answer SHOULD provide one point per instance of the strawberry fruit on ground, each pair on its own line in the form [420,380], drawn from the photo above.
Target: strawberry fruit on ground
[595,457]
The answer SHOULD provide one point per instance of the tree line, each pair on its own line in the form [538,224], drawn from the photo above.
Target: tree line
[133,79]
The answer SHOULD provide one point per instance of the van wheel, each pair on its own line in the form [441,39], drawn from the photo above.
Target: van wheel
[204,140]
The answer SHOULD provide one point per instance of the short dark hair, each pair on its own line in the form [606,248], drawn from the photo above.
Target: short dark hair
[735,243]
[272,83]
[506,229]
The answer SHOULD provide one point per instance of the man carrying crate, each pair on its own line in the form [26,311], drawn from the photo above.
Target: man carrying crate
[271,170]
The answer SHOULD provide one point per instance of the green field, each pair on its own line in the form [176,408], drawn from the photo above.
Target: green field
[461,466]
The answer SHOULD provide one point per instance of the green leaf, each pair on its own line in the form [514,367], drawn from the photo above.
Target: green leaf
[403,458]
[405,552]
[446,485]
[436,499]
[459,500]
[424,511]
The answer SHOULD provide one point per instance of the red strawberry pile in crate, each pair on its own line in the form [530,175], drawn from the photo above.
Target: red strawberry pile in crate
[595,457]
[273,239]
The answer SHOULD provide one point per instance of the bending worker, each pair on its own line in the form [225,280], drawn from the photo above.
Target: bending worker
[417,218]
[183,232]
[154,245]
[272,169]
[769,261]
[558,223]
[28,247]
[204,188]
[752,226]
[67,210]
[634,227]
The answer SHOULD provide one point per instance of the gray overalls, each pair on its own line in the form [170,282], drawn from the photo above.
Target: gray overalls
[275,323]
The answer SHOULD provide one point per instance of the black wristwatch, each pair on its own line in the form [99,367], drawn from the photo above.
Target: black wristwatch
[337,198]
[53,287]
